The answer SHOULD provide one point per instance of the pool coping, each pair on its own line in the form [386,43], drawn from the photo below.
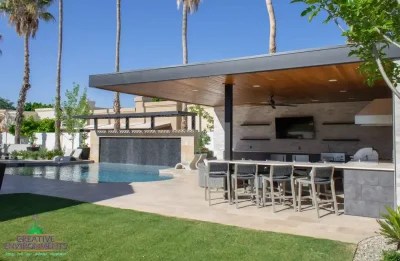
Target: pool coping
[38,163]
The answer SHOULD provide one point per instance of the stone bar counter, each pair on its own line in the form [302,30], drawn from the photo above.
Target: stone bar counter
[368,186]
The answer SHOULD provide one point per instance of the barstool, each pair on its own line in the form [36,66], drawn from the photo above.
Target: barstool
[319,176]
[244,172]
[280,174]
[216,170]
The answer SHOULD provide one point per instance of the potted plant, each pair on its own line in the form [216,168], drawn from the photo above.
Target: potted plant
[84,146]
[32,142]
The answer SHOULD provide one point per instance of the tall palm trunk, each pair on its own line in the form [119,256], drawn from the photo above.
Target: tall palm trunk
[272,27]
[117,104]
[57,145]
[22,94]
[185,52]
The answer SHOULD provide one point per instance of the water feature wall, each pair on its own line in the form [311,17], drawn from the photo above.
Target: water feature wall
[141,151]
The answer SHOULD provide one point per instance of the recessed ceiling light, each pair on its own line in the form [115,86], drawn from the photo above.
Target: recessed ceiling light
[195,90]
[351,98]
[343,90]
[264,102]
[332,80]
[314,100]
[256,86]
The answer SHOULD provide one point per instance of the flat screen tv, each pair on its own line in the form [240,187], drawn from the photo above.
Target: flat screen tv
[295,128]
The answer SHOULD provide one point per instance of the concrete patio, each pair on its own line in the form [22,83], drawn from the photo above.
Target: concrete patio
[182,197]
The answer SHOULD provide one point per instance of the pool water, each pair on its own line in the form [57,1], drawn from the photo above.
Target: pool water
[94,173]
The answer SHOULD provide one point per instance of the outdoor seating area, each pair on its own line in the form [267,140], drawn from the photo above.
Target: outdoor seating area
[267,183]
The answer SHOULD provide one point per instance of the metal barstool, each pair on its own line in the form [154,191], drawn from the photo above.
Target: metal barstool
[280,174]
[244,172]
[216,170]
[319,176]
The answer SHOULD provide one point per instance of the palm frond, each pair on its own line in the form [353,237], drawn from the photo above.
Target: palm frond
[24,15]
[192,5]
[47,17]
[390,225]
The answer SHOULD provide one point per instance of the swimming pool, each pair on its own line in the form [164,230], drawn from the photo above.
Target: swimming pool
[94,173]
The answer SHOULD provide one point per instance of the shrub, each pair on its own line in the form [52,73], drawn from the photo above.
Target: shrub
[58,152]
[25,154]
[390,226]
[42,153]
[391,256]
[14,154]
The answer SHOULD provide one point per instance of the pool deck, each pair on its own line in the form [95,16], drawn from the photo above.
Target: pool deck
[22,163]
[182,197]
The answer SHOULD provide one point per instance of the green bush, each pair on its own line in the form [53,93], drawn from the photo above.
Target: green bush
[24,154]
[14,154]
[391,256]
[42,153]
[390,226]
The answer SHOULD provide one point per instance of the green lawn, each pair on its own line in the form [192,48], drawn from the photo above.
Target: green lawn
[102,233]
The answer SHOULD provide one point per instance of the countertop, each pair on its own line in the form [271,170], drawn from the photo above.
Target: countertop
[372,166]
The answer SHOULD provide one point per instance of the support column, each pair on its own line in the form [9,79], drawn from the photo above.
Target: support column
[152,123]
[194,123]
[396,145]
[95,124]
[127,123]
[228,121]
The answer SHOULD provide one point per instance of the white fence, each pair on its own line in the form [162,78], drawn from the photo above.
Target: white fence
[46,140]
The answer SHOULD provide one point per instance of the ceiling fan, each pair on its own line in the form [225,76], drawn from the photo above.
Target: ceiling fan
[273,104]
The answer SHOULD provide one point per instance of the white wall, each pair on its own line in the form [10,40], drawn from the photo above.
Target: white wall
[45,113]
[46,140]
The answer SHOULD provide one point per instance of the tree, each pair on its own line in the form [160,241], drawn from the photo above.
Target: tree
[75,105]
[272,27]
[117,103]
[204,139]
[32,106]
[6,104]
[25,15]
[57,107]
[28,127]
[370,27]
[187,6]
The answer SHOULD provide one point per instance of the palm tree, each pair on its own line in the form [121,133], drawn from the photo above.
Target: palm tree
[57,108]
[187,6]
[272,27]
[117,104]
[25,15]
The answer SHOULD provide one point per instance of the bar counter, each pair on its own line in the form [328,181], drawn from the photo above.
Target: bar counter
[367,186]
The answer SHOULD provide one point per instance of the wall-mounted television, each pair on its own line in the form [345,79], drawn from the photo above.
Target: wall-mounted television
[295,128]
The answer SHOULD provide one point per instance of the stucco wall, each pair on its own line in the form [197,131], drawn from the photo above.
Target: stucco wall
[379,138]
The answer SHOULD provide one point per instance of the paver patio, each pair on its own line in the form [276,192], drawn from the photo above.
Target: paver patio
[182,197]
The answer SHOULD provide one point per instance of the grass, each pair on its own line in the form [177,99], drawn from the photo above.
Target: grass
[95,232]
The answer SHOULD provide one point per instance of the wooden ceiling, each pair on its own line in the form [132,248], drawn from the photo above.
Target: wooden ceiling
[295,86]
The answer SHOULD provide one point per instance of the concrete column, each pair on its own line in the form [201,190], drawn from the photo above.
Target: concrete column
[396,143]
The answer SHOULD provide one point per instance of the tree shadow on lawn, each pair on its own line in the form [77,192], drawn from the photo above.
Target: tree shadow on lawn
[14,203]
[24,204]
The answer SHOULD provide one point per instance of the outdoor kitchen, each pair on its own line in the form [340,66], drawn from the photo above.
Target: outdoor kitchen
[354,137]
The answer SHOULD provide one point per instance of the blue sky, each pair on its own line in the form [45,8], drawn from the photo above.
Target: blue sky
[151,37]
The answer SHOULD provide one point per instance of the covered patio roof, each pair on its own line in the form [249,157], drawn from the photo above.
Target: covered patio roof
[304,76]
